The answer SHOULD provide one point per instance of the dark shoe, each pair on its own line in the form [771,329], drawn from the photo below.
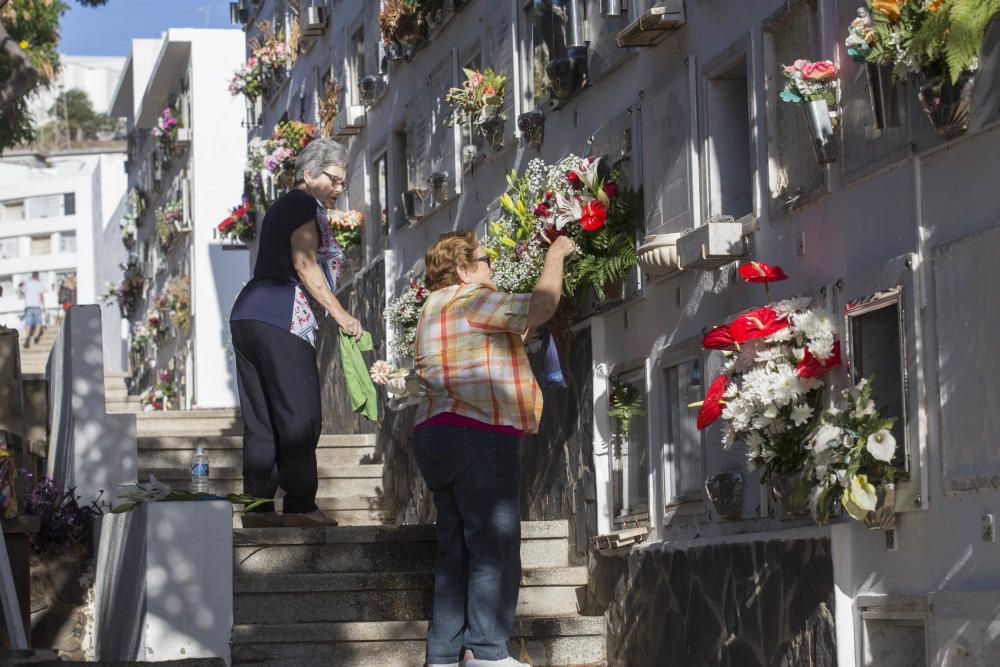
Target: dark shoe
[314,519]
[261,520]
[27,343]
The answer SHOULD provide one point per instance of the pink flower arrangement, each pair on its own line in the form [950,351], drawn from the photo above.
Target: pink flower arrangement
[808,81]
[380,371]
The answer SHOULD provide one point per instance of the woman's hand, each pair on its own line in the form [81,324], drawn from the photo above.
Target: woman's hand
[349,324]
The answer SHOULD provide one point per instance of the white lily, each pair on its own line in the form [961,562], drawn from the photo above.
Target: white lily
[568,209]
[859,497]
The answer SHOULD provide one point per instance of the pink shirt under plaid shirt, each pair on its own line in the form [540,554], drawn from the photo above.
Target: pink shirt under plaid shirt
[471,359]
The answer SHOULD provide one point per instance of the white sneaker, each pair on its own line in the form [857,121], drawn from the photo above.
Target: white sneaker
[506,662]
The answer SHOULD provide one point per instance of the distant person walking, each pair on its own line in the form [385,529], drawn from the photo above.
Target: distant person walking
[274,323]
[34,307]
[481,396]
[67,292]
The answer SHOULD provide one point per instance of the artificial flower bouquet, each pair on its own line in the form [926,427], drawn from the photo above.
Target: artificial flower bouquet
[807,81]
[177,297]
[770,390]
[141,336]
[479,98]
[246,80]
[165,130]
[169,219]
[161,396]
[347,227]
[241,223]
[851,453]
[402,315]
[567,198]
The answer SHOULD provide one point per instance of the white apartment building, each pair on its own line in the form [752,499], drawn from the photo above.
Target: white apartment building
[185,70]
[895,238]
[50,211]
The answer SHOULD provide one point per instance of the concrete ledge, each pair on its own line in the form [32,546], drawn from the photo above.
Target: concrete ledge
[530,530]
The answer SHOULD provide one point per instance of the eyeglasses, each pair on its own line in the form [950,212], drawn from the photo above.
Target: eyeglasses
[336,180]
[486,258]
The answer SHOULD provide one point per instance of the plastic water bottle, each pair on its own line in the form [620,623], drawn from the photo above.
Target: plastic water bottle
[199,471]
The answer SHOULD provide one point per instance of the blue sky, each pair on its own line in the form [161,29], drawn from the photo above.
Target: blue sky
[108,30]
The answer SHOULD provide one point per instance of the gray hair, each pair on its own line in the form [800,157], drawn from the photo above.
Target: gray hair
[317,156]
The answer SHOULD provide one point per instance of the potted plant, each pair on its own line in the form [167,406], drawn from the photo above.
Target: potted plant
[851,455]
[770,391]
[480,100]
[813,86]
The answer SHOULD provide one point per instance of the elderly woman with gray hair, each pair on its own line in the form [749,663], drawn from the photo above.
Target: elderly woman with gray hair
[274,323]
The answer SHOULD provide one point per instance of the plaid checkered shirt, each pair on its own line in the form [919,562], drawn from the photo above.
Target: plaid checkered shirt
[471,360]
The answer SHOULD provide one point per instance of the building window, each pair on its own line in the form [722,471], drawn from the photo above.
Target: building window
[69,203]
[12,211]
[48,206]
[41,245]
[875,337]
[681,449]
[10,248]
[630,444]
[728,148]
[7,286]
[67,242]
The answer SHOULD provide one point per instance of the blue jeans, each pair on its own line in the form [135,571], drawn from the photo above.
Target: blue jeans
[33,317]
[475,477]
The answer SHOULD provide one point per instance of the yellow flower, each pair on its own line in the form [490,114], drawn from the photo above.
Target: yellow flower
[859,497]
[888,7]
[23,43]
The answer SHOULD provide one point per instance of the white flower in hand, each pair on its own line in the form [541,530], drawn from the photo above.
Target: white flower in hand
[380,371]
[881,445]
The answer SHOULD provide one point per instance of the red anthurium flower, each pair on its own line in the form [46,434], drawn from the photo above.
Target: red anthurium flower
[226,224]
[759,272]
[811,367]
[574,179]
[542,211]
[756,324]
[711,408]
[551,233]
[611,190]
[719,338]
[593,217]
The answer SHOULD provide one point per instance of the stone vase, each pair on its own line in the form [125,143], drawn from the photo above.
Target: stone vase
[492,131]
[783,488]
[439,186]
[532,126]
[725,490]
[568,74]
[821,128]
[883,517]
[948,105]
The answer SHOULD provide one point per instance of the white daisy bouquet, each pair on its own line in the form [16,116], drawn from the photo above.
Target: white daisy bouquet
[850,454]
[770,390]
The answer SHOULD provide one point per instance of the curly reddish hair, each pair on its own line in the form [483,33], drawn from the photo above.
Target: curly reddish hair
[449,252]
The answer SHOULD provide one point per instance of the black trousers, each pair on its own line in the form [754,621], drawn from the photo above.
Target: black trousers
[279,397]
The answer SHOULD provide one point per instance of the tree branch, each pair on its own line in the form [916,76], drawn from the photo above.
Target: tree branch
[24,76]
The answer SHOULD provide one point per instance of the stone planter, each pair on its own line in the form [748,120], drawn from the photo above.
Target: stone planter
[492,131]
[948,105]
[657,256]
[568,74]
[439,186]
[725,490]
[884,515]
[821,127]
[411,31]
[883,94]
[532,127]
[783,488]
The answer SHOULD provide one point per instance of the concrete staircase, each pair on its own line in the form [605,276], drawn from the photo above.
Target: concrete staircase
[360,593]
[34,358]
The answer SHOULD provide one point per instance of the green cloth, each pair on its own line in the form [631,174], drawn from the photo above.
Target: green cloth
[359,383]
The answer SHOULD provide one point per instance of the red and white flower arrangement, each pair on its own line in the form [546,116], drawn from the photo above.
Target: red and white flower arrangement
[161,396]
[241,223]
[165,130]
[770,391]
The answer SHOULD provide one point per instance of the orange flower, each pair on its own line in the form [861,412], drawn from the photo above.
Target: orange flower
[888,7]
[936,5]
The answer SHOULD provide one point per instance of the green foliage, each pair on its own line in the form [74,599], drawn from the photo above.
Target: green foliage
[33,24]
[626,403]
[969,20]
[606,255]
[75,112]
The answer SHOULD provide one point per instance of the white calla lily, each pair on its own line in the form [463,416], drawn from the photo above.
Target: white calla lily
[881,445]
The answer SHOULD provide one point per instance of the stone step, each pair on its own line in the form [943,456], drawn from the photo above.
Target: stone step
[329,486]
[219,421]
[230,454]
[374,548]
[383,596]
[236,441]
[347,510]
[571,640]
